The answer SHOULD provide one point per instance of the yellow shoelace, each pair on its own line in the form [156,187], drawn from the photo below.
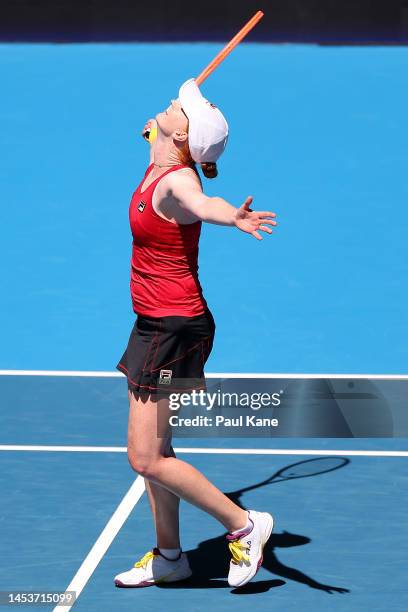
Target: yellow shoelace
[238,551]
[145,559]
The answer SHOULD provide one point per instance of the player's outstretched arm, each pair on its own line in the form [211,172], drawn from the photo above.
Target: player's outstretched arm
[217,210]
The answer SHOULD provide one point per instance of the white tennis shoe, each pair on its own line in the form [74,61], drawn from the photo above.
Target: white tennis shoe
[247,548]
[154,568]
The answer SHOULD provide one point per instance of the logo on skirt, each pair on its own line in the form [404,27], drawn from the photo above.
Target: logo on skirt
[141,206]
[165,377]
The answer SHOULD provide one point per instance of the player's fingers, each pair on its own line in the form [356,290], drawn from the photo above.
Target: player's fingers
[256,235]
[247,203]
[151,123]
[266,213]
[263,228]
[266,222]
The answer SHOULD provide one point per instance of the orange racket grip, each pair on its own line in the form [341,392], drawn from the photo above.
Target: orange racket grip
[220,57]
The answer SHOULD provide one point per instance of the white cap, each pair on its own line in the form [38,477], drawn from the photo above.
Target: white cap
[207,129]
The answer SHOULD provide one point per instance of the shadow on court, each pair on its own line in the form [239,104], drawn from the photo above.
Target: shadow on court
[210,560]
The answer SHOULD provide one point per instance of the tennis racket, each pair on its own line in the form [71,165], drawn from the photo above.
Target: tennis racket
[220,57]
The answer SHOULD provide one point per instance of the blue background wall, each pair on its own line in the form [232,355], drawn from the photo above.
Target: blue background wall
[318,135]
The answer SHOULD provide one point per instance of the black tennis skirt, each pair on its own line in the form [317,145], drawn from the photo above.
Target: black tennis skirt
[168,353]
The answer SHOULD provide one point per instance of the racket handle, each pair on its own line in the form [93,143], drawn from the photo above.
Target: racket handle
[220,57]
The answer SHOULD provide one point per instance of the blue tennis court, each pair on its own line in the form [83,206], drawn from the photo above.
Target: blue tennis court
[319,136]
[73,513]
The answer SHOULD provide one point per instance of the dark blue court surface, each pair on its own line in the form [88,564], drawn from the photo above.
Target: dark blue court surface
[339,543]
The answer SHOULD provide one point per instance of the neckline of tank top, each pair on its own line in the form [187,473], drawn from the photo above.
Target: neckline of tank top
[175,167]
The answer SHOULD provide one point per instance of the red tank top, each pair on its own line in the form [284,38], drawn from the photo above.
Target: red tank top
[164,266]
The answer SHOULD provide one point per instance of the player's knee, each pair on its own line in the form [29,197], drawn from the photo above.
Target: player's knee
[144,465]
[138,462]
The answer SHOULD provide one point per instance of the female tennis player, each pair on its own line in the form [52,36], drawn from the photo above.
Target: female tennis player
[174,331]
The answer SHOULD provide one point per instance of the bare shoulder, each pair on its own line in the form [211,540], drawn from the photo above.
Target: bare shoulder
[174,193]
[185,178]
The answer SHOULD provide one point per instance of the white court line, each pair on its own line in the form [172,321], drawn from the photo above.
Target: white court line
[287,451]
[208,375]
[105,539]
[71,449]
[61,373]
[212,451]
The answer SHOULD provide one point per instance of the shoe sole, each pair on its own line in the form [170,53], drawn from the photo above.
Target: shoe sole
[270,525]
[122,585]
[147,583]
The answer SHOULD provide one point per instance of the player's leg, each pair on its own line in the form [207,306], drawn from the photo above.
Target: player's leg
[166,562]
[147,435]
[164,506]
[249,531]
[165,509]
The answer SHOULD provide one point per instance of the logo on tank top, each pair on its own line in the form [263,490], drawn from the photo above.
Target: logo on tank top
[141,206]
[165,377]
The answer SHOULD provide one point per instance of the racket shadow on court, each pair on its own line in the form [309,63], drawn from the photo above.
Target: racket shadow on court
[209,561]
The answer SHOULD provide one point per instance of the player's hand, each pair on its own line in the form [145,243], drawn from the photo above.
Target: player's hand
[148,126]
[252,222]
